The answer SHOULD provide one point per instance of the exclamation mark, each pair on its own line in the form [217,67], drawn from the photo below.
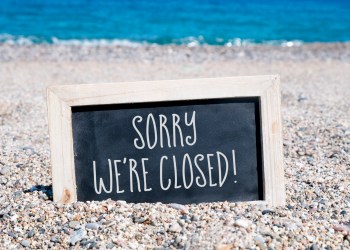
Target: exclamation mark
[234,163]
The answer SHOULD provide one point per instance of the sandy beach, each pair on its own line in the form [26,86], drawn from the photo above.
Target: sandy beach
[315,80]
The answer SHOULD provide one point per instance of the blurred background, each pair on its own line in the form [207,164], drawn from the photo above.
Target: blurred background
[191,22]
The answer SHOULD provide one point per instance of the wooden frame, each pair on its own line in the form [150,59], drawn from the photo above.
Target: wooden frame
[61,98]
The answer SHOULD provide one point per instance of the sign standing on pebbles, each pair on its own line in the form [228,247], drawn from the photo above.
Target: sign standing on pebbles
[182,141]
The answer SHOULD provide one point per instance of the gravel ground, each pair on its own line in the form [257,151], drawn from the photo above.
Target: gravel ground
[316,132]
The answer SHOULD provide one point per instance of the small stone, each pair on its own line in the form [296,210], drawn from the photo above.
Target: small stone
[314,205]
[110,245]
[175,227]
[310,238]
[25,243]
[343,212]
[4,170]
[121,202]
[115,241]
[195,218]
[18,194]
[43,196]
[180,207]
[109,223]
[342,228]
[77,236]
[267,211]
[302,98]
[181,222]
[177,239]
[133,245]
[66,230]
[346,243]
[259,239]
[314,247]
[13,218]
[242,223]
[74,224]
[260,242]
[55,239]
[13,235]
[92,226]
[223,247]
[290,226]
[184,217]
[93,219]
[90,244]
[41,219]
[77,217]
[139,220]
[31,233]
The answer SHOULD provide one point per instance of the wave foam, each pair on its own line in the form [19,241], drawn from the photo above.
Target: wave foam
[188,41]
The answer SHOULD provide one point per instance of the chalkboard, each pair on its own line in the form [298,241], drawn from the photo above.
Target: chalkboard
[180,151]
[182,141]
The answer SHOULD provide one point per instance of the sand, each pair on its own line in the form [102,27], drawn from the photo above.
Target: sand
[315,82]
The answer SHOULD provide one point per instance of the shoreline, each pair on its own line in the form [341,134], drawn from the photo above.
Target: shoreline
[174,53]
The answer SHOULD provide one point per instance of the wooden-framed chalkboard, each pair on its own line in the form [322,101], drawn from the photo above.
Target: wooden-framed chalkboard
[181,141]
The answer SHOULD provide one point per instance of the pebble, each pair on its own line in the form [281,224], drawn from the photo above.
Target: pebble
[89,244]
[25,243]
[110,245]
[74,224]
[12,234]
[310,238]
[140,220]
[18,194]
[346,243]
[43,196]
[180,207]
[314,247]
[92,226]
[242,223]
[31,233]
[178,239]
[342,228]
[260,242]
[121,202]
[13,218]
[77,236]
[55,239]
[259,239]
[4,170]
[175,227]
[267,211]
[223,247]
[195,218]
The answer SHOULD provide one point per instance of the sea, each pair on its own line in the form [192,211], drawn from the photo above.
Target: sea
[189,22]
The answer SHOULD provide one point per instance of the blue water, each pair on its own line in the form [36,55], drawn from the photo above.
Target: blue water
[220,22]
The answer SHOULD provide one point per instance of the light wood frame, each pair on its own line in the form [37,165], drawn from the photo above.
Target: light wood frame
[61,98]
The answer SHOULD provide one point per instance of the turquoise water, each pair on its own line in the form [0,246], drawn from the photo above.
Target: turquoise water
[192,22]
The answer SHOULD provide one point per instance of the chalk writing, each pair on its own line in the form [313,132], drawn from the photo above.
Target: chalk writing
[155,131]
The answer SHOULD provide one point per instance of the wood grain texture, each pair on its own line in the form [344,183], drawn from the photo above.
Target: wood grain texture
[61,98]
[274,188]
[62,159]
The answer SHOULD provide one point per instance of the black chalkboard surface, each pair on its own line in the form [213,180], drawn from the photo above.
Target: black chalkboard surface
[178,151]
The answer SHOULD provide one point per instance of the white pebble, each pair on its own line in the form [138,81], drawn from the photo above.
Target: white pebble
[242,223]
